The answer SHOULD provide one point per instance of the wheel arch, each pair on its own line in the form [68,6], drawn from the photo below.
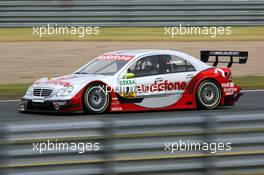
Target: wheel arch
[91,84]
[206,79]
[203,76]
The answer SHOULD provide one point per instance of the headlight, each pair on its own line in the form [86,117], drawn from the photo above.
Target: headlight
[29,91]
[65,91]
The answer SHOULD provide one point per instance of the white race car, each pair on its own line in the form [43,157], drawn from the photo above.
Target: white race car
[139,80]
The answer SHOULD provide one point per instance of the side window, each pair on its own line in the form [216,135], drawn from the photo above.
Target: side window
[173,64]
[189,67]
[146,66]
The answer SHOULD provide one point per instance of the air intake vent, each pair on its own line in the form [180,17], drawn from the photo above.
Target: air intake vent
[41,92]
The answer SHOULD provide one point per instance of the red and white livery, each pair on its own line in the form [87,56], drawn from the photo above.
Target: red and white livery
[139,80]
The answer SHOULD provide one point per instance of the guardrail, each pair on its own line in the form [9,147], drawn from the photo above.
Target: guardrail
[136,145]
[28,13]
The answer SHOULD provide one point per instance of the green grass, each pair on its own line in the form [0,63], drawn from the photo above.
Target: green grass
[16,91]
[13,91]
[250,82]
[255,33]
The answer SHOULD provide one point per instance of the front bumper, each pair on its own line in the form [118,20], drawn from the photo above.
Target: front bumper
[63,106]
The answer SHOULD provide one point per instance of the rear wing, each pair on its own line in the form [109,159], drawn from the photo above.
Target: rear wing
[239,57]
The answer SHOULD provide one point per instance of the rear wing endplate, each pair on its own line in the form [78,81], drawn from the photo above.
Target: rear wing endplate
[239,57]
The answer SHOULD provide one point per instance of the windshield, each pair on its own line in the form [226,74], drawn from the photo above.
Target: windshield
[102,67]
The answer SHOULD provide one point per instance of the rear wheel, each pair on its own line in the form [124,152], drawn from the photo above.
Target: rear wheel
[208,94]
[96,99]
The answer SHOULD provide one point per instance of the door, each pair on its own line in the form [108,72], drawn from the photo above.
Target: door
[177,73]
[160,80]
[145,75]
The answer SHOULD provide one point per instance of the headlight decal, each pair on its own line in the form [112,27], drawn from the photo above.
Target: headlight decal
[29,91]
[65,91]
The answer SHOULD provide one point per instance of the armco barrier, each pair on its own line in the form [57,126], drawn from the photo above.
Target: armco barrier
[28,13]
[136,145]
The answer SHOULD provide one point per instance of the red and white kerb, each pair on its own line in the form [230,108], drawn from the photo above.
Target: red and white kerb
[116,57]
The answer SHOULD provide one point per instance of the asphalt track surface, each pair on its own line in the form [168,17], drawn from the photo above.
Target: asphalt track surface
[251,102]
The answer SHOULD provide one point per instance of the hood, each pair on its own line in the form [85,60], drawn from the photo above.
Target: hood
[71,79]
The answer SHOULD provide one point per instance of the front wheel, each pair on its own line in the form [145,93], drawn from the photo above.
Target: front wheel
[208,94]
[96,99]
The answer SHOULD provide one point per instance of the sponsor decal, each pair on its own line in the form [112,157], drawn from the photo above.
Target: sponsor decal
[115,103]
[229,88]
[224,53]
[224,85]
[117,108]
[67,77]
[56,106]
[128,94]
[38,100]
[61,80]
[175,62]
[115,57]
[163,86]
[129,87]
[58,82]
[124,82]
[218,70]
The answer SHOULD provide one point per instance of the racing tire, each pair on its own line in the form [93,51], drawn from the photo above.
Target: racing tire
[208,94]
[96,99]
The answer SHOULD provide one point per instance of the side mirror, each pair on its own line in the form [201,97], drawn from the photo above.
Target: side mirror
[130,75]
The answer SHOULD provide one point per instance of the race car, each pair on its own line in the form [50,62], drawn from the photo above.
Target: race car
[139,80]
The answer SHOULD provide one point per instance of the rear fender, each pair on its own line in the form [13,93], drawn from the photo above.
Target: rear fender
[216,74]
